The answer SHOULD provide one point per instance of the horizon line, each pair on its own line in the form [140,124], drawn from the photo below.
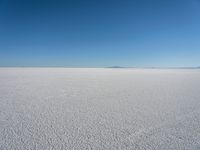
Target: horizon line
[109,67]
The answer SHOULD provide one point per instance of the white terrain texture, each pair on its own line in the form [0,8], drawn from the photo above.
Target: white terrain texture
[99,109]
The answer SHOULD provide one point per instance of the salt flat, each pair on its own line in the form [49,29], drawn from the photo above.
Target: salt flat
[99,109]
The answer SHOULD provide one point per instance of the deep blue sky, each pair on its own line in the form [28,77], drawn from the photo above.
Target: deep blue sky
[99,33]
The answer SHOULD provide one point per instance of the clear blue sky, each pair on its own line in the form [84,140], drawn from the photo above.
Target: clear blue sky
[100,33]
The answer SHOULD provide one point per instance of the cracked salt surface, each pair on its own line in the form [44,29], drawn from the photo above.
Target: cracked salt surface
[59,108]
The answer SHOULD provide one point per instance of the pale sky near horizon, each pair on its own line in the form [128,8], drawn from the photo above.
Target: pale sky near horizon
[100,33]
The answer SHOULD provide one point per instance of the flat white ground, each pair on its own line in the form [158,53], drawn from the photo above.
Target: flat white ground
[99,109]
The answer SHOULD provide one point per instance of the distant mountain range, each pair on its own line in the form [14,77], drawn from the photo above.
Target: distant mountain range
[157,67]
[115,67]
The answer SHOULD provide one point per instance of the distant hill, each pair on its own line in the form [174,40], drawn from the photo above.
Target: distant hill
[115,67]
